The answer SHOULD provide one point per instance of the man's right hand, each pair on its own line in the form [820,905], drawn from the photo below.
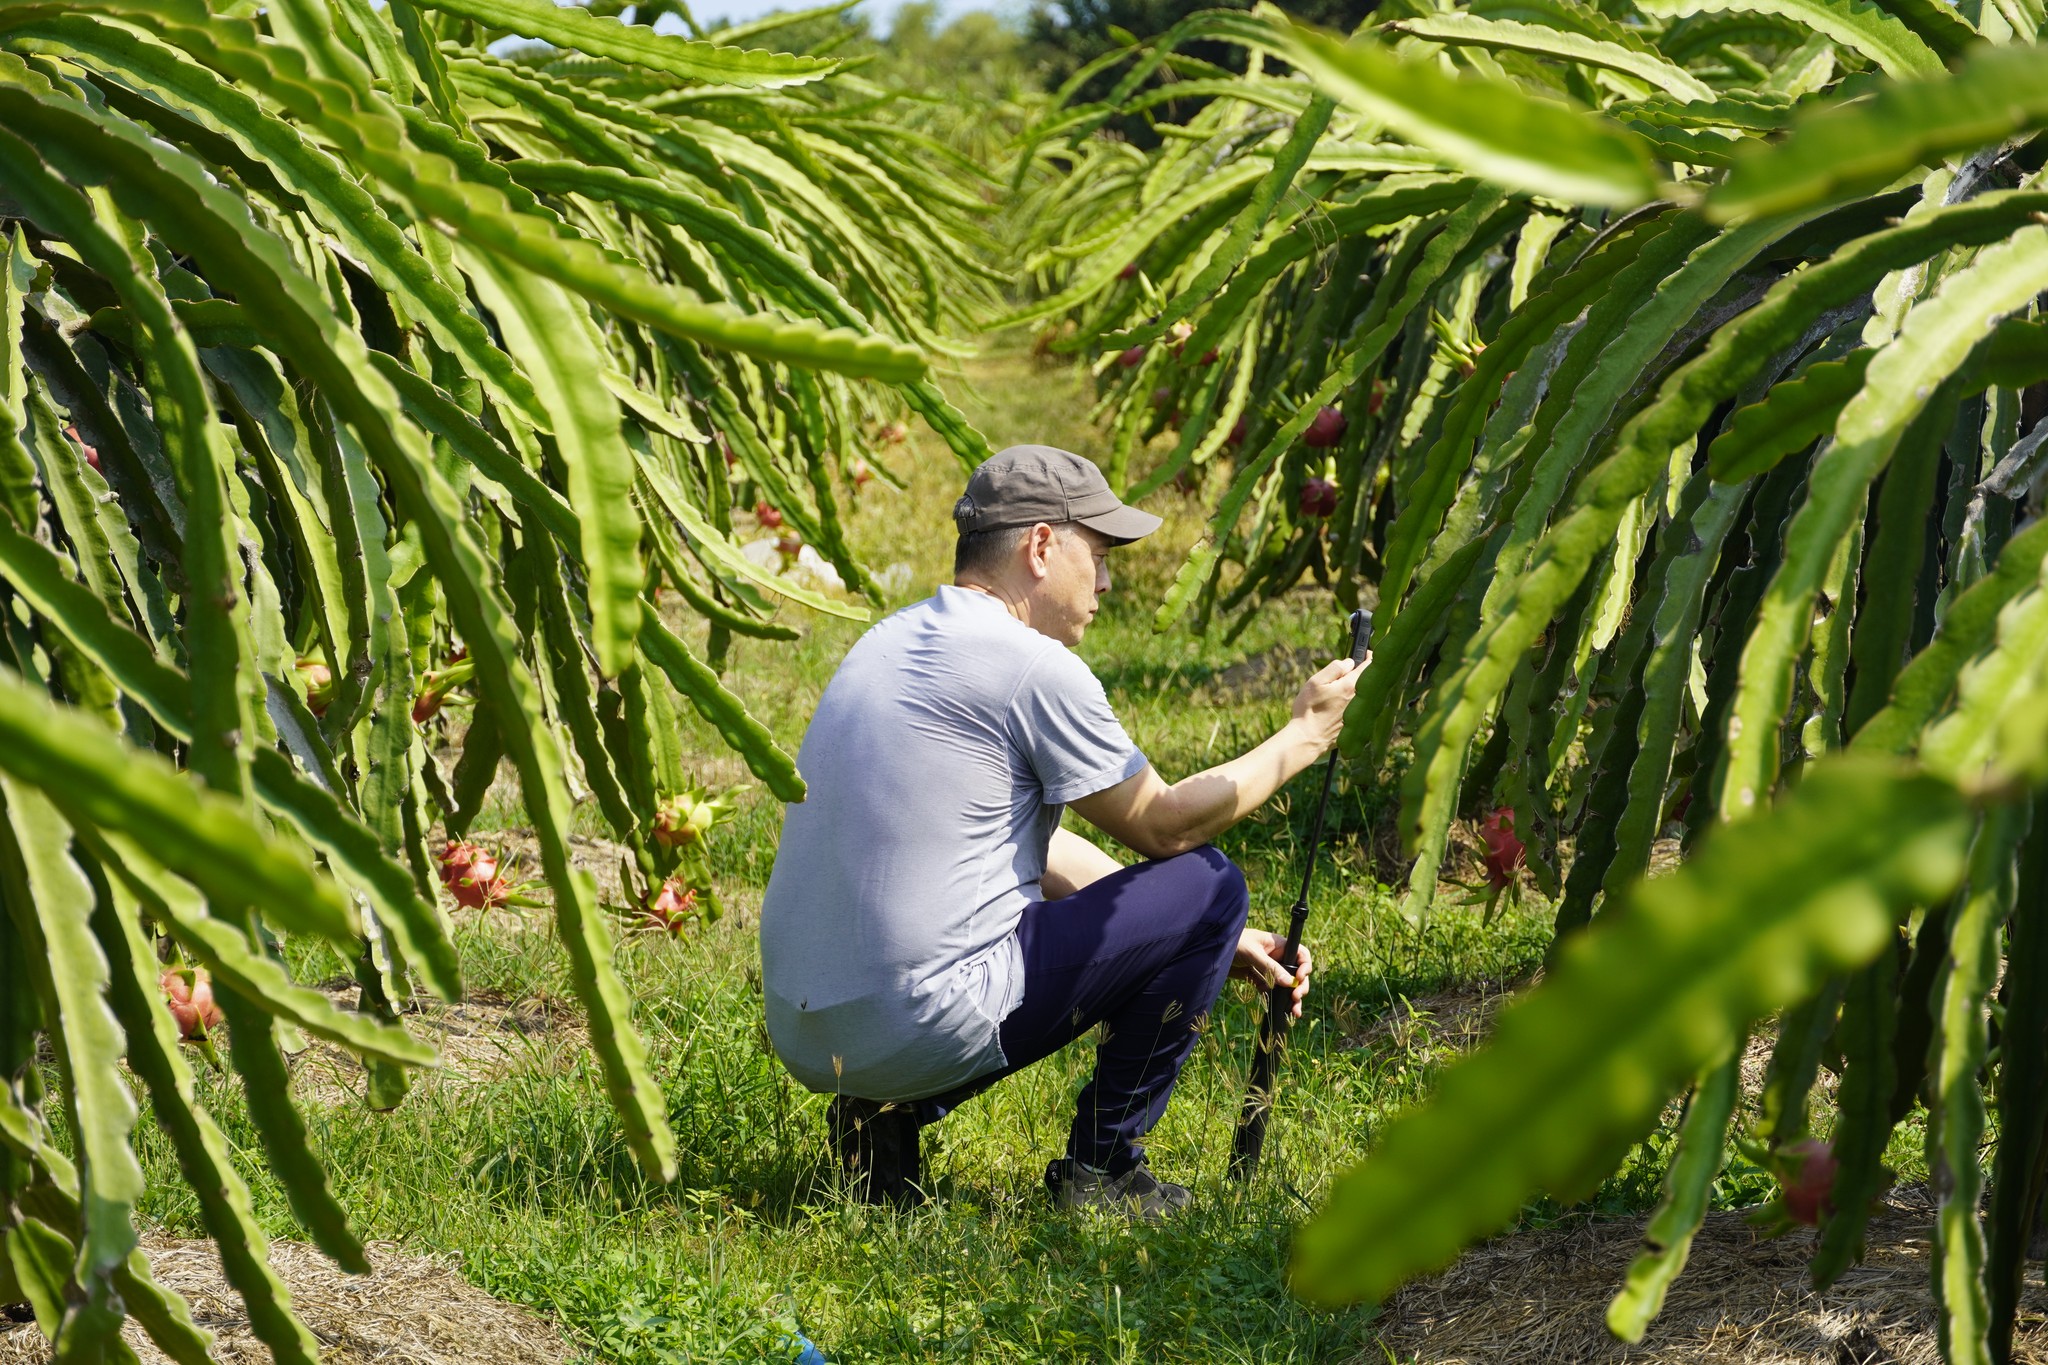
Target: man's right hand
[1146,815]
[1319,706]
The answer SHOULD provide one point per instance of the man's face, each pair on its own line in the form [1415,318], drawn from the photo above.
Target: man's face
[1076,576]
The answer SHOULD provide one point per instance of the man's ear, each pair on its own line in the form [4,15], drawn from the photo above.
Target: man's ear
[1038,549]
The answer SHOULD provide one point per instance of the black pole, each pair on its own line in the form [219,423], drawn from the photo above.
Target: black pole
[1258,1095]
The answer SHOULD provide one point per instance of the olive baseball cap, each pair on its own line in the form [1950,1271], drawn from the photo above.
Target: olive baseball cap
[1024,485]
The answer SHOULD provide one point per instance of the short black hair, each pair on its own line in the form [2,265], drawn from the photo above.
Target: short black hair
[983,552]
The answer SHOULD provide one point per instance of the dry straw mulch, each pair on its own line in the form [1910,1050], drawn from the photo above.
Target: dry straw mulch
[479,1039]
[1542,1296]
[411,1310]
[1455,1020]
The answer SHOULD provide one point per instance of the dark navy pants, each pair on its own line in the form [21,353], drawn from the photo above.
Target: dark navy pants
[1143,952]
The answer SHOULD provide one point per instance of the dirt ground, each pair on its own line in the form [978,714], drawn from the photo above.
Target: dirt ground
[478,1038]
[1542,1296]
[411,1310]
[1531,1297]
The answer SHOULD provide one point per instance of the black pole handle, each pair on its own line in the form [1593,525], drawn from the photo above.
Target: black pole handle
[1250,1138]
[1361,635]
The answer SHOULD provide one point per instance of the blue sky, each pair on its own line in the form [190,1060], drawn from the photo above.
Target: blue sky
[878,11]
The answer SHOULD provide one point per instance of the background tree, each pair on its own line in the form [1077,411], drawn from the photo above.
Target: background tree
[1071,34]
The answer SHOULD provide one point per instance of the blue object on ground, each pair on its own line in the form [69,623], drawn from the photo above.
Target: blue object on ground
[810,1354]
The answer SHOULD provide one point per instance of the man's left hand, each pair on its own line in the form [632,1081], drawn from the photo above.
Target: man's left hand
[1258,960]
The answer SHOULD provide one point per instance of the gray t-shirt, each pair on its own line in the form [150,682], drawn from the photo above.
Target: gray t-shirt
[939,759]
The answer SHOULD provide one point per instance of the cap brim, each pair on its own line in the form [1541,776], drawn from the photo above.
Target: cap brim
[1122,523]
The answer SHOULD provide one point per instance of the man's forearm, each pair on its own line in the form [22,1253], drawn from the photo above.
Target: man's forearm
[1159,820]
[1072,863]
[1201,806]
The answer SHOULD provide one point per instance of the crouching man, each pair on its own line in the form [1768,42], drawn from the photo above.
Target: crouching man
[929,928]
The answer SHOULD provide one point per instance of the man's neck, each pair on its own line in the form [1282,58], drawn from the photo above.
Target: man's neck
[1013,603]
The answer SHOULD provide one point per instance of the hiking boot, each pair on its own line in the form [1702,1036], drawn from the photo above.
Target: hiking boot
[1137,1192]
[878,1150]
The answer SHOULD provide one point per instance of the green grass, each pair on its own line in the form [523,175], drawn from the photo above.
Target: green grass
[526,1177]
